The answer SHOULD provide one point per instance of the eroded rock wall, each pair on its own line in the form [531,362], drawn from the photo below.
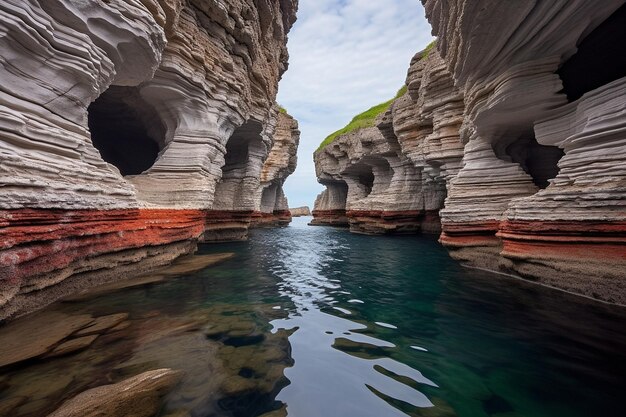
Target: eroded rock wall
[273,206]
[517,131]
[250,192]
[115,124]
[542,189]
[392,178]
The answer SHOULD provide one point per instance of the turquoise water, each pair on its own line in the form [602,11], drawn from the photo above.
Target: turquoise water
[329,323]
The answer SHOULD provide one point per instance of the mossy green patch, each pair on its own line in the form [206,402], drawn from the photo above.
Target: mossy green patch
[429,47]
[363,120]
[282,109]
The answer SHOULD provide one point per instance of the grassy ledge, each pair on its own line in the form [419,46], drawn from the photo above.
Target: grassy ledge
[363,120]
[428,48]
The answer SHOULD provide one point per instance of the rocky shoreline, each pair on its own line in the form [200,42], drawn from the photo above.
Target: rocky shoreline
[518,164]
[157,130]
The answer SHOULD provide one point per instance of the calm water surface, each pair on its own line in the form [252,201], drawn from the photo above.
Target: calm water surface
[319,322]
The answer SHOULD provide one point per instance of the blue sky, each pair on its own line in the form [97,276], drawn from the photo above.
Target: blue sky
[345,56]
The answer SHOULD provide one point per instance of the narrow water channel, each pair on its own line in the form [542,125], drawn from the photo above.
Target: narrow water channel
[320,322]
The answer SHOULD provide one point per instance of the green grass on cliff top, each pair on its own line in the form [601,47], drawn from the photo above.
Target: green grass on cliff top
[363,120]
[428,48]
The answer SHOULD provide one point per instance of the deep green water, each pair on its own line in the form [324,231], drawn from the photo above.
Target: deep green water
[373,326]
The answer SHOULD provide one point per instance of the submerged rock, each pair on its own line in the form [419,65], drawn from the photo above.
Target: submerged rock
[181,266]
[33,336]
[73,345]
[139,396]
[103,323]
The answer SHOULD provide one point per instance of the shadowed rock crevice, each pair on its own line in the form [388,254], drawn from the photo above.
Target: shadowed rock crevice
[245,151]
[330,205]
[538,161]
[269,199]
[153,88]
[600,58]
[126,130]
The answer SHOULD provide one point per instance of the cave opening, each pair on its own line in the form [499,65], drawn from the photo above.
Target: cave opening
[245,140]
[366,179]
[538,161]
[126,130]
[268,198]
[600,58]
[236,157]
[337,194]
[244,145]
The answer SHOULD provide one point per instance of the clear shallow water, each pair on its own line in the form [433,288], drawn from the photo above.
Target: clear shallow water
[334,324]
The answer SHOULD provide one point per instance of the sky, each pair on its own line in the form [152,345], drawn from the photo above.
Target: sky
[345,57]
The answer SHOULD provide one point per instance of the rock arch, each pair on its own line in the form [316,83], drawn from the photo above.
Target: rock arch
[243,160]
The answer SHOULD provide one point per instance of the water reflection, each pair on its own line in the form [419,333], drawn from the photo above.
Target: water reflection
[319,322]
[338,370]
[469,343]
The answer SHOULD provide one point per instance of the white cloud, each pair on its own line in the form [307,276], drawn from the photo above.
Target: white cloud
[345,56]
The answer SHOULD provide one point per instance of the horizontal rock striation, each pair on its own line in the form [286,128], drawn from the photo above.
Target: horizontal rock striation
[391,178]
[281,162]
[250,193]
[42,248]
[514,137]
[117,120]
[541,192]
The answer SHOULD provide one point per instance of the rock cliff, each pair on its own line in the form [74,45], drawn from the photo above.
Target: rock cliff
[392,177]
[250,191]
[128,129]
[517,133]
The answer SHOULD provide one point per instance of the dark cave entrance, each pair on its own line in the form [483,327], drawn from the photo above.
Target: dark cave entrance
[600,59]
[236,158]
[370,170]
[538,161]
[244,145]
[126,130]
[245,140]
[366,179]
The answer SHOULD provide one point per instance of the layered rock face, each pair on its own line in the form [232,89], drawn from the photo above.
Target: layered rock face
[542,189]
[517,133]
[250,192]
[392,178]
[281,162]
[117,120]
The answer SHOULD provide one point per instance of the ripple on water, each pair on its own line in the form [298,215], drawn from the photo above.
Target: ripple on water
[270,332]
[385,325]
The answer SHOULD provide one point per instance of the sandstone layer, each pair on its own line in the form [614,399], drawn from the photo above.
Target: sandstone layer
[517,133]
[128,129]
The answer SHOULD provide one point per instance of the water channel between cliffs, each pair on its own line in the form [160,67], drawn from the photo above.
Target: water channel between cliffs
[334,324]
